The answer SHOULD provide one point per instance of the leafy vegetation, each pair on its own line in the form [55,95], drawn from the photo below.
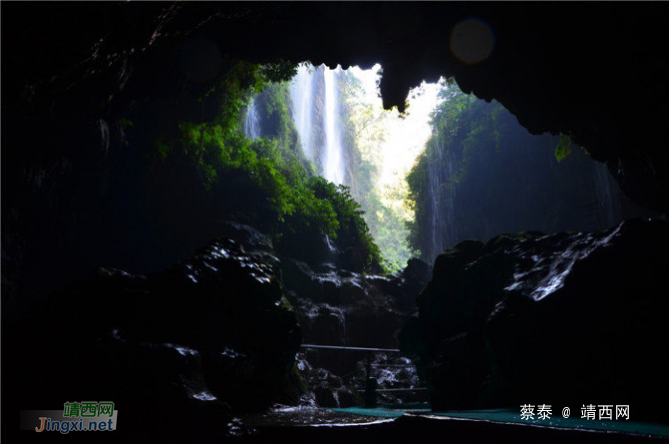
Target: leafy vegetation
[482,174]
[563,147]
[269,178]
[365,131]
[456,134]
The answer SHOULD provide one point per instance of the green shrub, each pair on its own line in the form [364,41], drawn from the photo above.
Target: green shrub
[274,176]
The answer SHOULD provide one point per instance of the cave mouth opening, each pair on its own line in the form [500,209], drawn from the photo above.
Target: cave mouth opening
[149,194]
[352,140]
[452,167]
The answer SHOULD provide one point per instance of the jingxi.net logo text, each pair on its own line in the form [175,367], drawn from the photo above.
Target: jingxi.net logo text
[82,416]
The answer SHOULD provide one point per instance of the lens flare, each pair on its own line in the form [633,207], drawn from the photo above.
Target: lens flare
[472,41]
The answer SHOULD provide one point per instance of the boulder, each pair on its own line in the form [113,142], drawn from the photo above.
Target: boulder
[337,306]
[567,319]
[208,337]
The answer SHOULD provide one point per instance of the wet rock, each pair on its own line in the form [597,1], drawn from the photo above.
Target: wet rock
[208,336]
[325,397]
[340,307]
[456,382]
[411,282]
[391,371]
[329,390]
[336,306]
[569,318]
[417,271]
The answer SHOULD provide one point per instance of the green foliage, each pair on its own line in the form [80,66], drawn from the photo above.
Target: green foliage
[271,175]
[281,71]
[162,149]
[453,111]
[365,127]
[326,208]
[462,127]
[482,174]
[563,147]
[391,235]
[279,128]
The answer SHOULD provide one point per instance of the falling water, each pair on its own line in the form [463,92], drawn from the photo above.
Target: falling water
[301,92]
[315,112]
[333,159]
[607,196]
[252,121]
[104,135]
[433,175]
[443,192]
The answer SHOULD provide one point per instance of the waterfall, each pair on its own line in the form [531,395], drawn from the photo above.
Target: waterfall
[301,92]
[333,160]
[252,121]
[434,183]
[443,192]
[607,196]
[104,135]
[316,114]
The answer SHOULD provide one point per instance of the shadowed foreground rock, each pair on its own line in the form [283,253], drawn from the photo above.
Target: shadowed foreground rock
[339,307]
[563,319]
[177,352]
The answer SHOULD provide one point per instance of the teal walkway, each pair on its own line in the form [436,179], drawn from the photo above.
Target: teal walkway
[509,416]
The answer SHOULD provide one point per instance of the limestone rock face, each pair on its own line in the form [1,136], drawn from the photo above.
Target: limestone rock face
[340,307]
[78,73]
[566,318]
[208,336]
[553,81]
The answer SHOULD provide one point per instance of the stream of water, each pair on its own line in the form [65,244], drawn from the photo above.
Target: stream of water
[316,113]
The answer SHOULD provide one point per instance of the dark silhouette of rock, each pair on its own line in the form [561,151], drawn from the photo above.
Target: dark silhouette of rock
[339,307]
[553,81]
[566,318]
[209,336]
[77,72]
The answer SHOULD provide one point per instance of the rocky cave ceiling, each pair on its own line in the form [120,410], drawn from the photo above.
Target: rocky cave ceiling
[594,71]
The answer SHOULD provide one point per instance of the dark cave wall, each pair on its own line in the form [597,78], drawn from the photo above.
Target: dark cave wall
[556,67]
[76,196]
[511,319]
[73,191]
